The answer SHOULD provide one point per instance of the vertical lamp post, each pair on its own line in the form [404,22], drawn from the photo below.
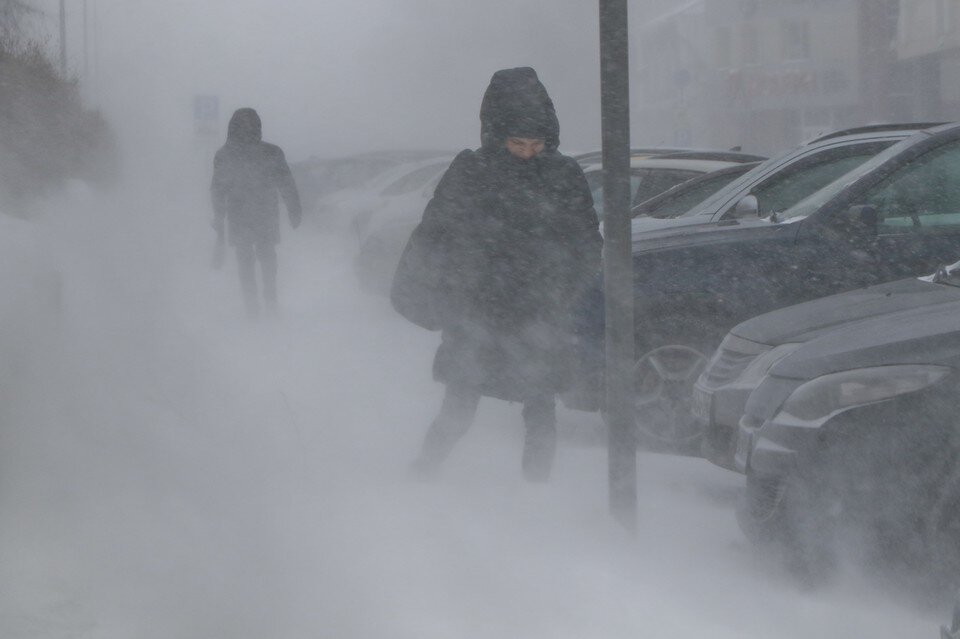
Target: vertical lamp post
[63,38]
[618,261]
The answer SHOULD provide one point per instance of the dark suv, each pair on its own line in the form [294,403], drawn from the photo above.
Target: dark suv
[714,200]
[897,214]
[854,434]
[752,348]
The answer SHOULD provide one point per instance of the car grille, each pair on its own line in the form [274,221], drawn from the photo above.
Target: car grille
[730,360]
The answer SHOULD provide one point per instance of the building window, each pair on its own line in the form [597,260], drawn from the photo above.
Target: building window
[751,44]
[795,35]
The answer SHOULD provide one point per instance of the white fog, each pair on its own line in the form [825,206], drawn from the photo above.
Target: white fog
[172,469]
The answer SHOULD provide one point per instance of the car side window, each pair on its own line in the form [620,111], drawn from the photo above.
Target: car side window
[923,195]
[691,196]
[788,187]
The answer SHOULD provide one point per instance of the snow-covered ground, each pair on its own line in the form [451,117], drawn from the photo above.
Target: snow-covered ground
[169,469]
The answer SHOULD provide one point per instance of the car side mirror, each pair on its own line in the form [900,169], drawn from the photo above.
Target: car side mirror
[863,219]
[748,206]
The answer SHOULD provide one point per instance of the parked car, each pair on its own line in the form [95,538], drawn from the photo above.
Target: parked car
[388,214]
[319,180]
[751,348]
[663,410]
[382,240]
[854,434]
[889,218]
[784,180]
[651,175]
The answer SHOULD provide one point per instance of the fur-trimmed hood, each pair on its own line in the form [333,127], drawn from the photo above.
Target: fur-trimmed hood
[517,104]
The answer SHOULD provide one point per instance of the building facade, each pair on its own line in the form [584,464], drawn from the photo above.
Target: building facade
[767,74]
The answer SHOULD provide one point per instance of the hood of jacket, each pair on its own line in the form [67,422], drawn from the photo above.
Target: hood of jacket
[517,104]
[244,127]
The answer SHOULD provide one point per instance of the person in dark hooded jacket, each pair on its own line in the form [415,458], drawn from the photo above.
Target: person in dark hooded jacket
[515,224]
[248,174]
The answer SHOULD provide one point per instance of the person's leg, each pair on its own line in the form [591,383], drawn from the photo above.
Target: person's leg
[248,281]
[540,441]
[267,254]
[456,415]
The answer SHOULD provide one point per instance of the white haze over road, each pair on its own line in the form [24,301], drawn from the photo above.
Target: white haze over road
[169,469]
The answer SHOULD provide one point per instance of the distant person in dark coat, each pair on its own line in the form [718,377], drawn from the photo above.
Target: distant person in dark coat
[248,174]
[516,224]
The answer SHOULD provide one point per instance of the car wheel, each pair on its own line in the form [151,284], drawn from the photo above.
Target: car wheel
[663,403]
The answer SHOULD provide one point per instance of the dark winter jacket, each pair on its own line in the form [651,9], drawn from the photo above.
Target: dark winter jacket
[247,175]
[520,243]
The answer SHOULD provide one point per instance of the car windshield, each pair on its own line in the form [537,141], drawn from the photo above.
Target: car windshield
[709,204]
[813,202]
[684,196]
[784,181]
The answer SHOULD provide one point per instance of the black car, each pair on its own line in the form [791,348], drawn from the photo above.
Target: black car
[896,215]
[751,349]
[769,187]
[854,435]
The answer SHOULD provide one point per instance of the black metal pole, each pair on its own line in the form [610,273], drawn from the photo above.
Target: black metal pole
[63,38]
[617,260]
[86,48]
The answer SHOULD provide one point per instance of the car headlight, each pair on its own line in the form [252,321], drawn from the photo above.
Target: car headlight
[759,367]
[830,394]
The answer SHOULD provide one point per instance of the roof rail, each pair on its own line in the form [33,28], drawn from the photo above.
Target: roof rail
[877,128]
[721,156]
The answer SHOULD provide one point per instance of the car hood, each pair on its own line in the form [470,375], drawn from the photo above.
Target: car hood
[928,335]
[807,321]
[694,233]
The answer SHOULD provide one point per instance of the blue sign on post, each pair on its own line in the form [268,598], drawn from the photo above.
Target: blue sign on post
[206,114]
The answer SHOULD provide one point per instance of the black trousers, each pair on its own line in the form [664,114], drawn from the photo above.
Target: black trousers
[457,413]
[248,254]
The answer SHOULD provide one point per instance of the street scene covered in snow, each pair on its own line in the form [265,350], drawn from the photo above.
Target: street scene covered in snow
[309,317]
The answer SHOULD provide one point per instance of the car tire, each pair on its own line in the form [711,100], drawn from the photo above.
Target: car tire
[663,381]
